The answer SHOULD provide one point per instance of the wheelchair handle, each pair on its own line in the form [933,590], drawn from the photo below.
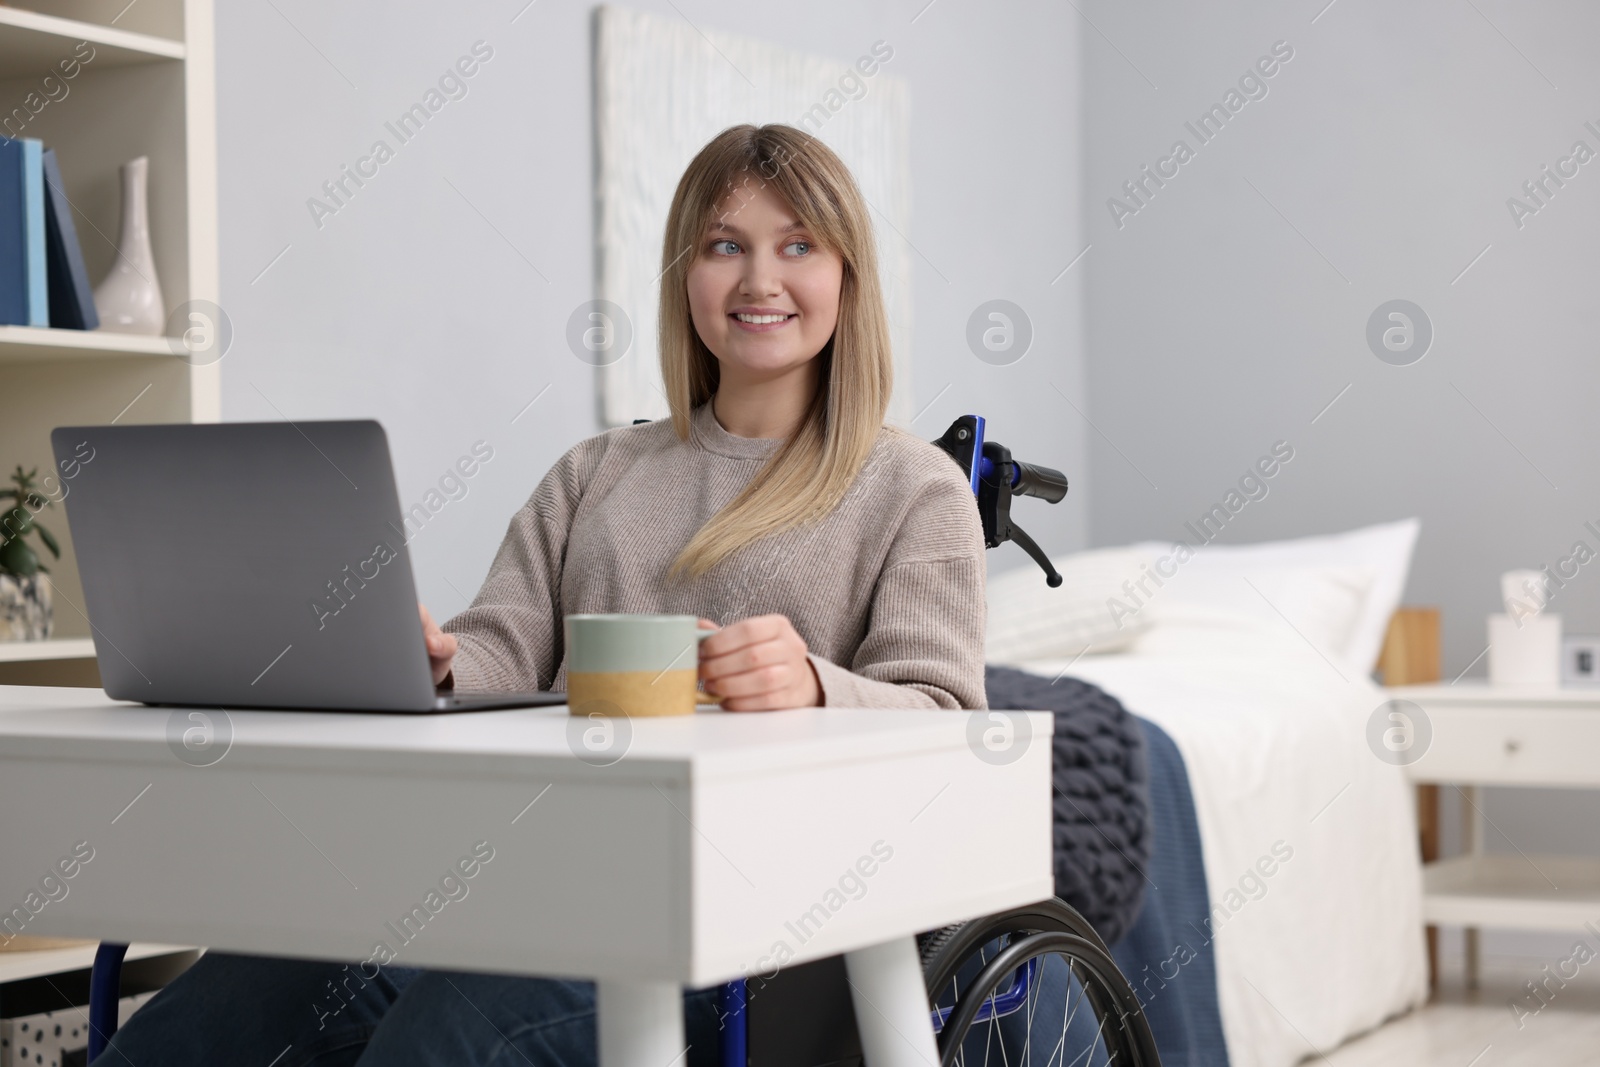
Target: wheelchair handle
[1044,482]
[995,477]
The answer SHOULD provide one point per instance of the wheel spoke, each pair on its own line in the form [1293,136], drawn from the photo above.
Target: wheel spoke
[1033,1002]
[1099,1037]
[988,1039]
[1061,1046]
[1066,1016]
[1072,973]
[994,1029]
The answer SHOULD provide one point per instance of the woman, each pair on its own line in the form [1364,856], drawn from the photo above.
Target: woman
[843,557]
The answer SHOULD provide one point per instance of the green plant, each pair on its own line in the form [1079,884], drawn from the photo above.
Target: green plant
[17,557]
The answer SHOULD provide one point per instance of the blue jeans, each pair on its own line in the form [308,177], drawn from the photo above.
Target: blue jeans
[251,1011]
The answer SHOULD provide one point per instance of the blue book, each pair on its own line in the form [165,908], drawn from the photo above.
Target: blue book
[13,240]
[24,292]
[71,298]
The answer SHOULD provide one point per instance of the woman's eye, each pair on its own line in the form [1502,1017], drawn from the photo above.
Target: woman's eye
[803,246]
[716,247]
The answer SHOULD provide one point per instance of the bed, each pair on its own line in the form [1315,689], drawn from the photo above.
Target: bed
[1256,661]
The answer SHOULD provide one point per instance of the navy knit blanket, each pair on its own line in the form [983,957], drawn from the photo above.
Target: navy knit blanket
[1127,854]
[1100,822]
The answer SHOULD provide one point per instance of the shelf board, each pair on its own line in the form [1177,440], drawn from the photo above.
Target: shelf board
[55,648]
[1514,891]
[31,344]
[32,44]
[15,966]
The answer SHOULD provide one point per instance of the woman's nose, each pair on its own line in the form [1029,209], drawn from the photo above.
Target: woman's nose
[760,278]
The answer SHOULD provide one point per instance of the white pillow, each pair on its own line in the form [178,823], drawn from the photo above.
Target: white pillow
[1201,612]
[1029,620]
[1385,548]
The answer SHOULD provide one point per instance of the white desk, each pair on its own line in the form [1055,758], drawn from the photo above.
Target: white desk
[689,861]
[1502,735]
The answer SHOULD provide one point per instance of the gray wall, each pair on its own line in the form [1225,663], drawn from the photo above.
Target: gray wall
[422,305]
[1230,310]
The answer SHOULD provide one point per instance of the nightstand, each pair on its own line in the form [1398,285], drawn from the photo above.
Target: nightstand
[1486,735]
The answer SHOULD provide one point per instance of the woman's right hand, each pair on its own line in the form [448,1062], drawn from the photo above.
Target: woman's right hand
[441,646]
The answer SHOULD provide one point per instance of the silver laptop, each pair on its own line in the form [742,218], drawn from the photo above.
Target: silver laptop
[251,565]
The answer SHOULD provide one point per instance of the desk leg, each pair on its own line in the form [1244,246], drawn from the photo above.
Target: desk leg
[891,1002]
[640,1024]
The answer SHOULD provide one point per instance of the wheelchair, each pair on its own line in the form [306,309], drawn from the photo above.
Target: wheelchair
[1035,981]
[1031,985]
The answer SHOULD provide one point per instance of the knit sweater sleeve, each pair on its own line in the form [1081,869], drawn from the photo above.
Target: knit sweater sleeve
[924,644]
[510,637]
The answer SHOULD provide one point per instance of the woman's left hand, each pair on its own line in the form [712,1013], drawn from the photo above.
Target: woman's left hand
[758,664]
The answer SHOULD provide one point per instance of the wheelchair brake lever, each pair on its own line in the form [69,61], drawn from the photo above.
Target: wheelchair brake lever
[1020,536]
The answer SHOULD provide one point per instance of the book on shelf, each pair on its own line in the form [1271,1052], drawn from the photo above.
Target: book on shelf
[71,296]
[24,292]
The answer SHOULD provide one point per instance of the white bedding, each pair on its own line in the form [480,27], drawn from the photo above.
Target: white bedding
[1330,943]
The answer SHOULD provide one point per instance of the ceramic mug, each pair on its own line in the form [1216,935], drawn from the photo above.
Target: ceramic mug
[641,665]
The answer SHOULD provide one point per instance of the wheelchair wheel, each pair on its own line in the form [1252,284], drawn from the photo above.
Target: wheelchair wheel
[1035,985]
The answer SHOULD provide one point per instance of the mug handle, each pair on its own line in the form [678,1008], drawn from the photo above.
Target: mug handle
[700,695]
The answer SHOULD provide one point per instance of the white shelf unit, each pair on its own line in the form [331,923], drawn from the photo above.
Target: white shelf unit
[149,89]
[1485,735]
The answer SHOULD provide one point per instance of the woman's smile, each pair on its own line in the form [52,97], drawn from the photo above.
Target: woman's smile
[762,320]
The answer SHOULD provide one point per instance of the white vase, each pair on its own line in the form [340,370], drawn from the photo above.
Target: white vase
[128,299]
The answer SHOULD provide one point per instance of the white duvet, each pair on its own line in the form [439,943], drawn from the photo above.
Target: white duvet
[1310,840]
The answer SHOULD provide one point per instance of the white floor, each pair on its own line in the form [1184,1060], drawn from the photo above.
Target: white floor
[1479,1028]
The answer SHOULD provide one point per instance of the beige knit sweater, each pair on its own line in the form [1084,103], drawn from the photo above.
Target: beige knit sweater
[887,591]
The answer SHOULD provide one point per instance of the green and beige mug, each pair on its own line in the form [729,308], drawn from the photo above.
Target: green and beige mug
[634,664]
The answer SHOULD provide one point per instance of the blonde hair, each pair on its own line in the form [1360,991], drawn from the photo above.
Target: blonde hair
[811,472]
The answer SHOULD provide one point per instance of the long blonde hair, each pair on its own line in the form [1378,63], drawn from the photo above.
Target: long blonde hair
[811,472]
